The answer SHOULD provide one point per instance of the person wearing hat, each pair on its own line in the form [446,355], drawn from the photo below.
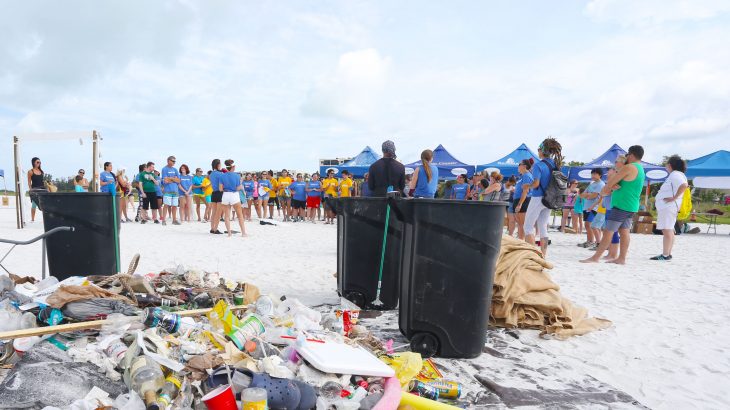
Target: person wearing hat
[81,184]
[386,172]
[170,186]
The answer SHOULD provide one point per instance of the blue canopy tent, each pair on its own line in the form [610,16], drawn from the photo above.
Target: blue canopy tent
[654,173]
[507,165]
[449,167]
[357,166]
[716,164]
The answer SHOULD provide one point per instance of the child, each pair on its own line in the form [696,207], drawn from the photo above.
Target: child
[578,213]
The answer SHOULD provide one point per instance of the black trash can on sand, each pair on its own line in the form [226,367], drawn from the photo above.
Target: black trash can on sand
[91,249]
[360,226]
[449,256]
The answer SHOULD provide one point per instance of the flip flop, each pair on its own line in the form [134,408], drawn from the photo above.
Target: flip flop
[282,393]
[308,395]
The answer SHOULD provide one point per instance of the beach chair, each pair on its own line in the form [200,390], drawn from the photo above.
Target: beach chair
[42,238]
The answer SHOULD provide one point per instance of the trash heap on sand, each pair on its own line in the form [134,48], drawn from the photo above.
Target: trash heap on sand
[184,339]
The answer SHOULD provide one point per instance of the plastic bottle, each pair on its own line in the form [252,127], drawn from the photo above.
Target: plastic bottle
[170,390]
[259,349]
[264,306]
[116,351]
[280,336]
[254,398]
[147,379]
[293,307]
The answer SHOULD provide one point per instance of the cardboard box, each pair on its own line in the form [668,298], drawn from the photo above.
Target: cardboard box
[645,228]
[639,218]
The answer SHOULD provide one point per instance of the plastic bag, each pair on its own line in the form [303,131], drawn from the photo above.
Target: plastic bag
[407,365]
[129,401]
[94,309]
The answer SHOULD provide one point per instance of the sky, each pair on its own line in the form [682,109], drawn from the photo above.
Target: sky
[281,84]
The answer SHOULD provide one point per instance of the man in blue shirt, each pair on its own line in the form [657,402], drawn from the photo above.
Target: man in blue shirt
[299,198]
[107,180]
[170,183]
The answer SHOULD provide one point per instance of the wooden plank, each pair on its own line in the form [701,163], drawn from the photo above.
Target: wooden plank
[94,324]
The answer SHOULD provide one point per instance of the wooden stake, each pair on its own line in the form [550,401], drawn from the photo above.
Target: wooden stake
[94,324]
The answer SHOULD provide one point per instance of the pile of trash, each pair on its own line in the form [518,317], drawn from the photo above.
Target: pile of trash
[186,339]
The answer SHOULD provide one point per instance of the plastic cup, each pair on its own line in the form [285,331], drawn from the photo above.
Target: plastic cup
[221,398]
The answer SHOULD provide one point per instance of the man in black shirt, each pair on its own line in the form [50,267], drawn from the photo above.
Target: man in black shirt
[386,172]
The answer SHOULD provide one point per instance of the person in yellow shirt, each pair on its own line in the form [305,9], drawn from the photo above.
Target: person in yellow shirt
[346,184]
[283,183]
[207,192]
[273,198]
[329,185]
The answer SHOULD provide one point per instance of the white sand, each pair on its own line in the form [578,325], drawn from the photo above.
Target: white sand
[671,320]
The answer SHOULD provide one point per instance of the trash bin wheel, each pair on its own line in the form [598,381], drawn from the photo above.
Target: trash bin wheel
[356,298]
[425,343]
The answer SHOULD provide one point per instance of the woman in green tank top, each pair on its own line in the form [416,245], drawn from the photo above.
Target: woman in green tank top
[628,197]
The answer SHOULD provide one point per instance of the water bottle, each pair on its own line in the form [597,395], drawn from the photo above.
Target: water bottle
[147,379]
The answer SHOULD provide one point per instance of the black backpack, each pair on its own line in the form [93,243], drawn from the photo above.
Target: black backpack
[554,197]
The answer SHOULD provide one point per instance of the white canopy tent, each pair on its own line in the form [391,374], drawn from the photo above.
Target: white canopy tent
[711,182]
[80,136]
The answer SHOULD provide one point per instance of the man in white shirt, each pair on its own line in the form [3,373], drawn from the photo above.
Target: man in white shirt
[668,201]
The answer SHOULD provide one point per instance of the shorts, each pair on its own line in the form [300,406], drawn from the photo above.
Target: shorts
[538,214]
[284,198]
[150,201]
[589,215]
[199,195]
[298,204]
[314,201]
[171,199]
[230,198]
[264,198]
[328,206]
[524,205]
[273,201]
[216,197]
[666,217]
[615,238]
[618,219]
[208,199]
[599,221]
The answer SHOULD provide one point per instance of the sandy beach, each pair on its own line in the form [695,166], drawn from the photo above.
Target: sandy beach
[667,347]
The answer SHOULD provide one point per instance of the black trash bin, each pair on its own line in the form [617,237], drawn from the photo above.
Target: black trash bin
[91,249]
[450,252]
[360,226]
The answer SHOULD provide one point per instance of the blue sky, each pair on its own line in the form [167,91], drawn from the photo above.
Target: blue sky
[278,84]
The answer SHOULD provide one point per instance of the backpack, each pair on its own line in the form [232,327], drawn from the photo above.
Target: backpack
[554,197]
[685,209]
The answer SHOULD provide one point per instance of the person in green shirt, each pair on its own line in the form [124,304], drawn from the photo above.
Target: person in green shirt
[626,185]
[149,192]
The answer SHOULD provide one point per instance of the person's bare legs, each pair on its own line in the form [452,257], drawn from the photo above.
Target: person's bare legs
[589,232]
[521,225]
[215,215]
[563,220]
[667,241]
[239,212]
[227,216]
[544,246]
[530,239]
[579,218]
[597,235]
[625,240]
[602,246]
[32,214]
[511,223]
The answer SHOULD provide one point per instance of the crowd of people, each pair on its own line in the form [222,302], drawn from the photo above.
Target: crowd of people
[603,210]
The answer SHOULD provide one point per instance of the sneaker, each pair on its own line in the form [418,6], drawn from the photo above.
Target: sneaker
[661,258]
[136,219]
[176,223]
[164,223]
[156,221]
[594,247]
[216,232]
[129,220]
[586,244]
[144,221]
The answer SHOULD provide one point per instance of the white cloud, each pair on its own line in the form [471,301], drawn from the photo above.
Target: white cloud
[352,91]
[651,12]
[691,128]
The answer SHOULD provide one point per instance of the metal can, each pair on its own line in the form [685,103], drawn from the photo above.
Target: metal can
[238,299]
[447,389]
[422,389]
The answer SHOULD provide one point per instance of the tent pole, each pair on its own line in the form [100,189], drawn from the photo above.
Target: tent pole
[95,161]
[18,198]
